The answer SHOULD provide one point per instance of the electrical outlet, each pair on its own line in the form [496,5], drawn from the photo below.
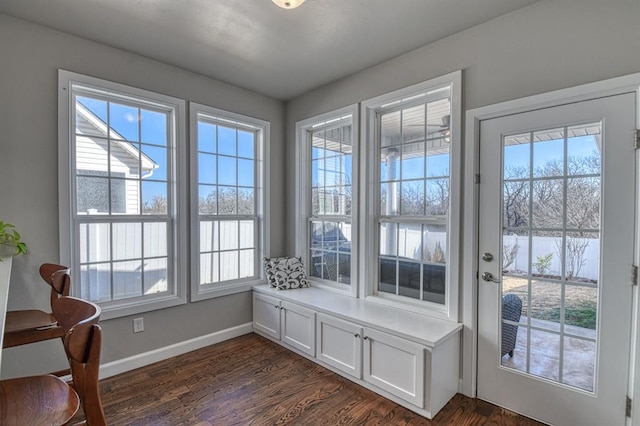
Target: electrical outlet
[138,325]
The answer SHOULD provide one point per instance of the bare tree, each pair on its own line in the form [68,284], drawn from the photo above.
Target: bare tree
[509,254]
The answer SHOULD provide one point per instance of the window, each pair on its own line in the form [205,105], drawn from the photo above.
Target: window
[228,172]
[118,194]
[413,161]
[326,194]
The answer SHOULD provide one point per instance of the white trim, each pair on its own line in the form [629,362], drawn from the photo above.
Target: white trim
[262,188]
[123,365]
[625,84]
[303,195]
[176,189]
[368,165]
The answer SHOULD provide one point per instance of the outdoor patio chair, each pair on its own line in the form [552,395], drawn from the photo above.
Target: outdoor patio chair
[511,311]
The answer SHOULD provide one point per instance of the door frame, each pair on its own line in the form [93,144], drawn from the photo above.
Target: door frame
[471,167]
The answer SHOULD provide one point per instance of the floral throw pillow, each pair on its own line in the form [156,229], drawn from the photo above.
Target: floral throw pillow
[285,272]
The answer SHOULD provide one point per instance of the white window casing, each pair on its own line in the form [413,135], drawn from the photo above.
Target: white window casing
[327,188]
[387,147]
[229,190]
[123,194]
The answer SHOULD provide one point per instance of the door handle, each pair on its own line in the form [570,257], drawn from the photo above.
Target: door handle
[488,276]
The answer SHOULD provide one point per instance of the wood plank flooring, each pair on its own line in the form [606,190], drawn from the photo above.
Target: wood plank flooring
[250,380]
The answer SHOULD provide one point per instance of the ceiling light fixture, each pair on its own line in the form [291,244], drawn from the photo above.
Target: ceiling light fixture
[288,4]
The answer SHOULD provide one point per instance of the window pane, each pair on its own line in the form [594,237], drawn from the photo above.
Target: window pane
[247,264]
[153,127]
[227,200]
[228,235]
[246,234]
[207,166]
[95,242]
[246,201]
[95,282]
[390,198]
[127,279]
[409,279]
[227,171]
[548,153]
[207,199]
[413,123]
[388,275]
[410,241]
[438,196]
[92,195]
[91,116]
[245,173]
[155,275]
[209,268]
[390,129]
[127,241]
[227,141]
[413,157]
[155,239]
[388,239]
[123,122]
[154,162]
[206,137]
[516,156]
[229,265]
[154,197]
[245,144]
[413,202]
[209,236]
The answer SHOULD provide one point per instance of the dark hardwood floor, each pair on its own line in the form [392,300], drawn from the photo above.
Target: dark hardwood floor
[250,380]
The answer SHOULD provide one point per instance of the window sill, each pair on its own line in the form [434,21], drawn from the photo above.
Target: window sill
[125,308]
[224,289]
[419,307]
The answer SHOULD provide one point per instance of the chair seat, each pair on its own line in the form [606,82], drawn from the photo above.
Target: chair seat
[37,400]
[22,327]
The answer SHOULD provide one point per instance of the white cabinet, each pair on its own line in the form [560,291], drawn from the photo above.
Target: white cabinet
[390,363]
[297,327]
[292,324]
[266,315]
[411,359]
[339,344]
[395,365]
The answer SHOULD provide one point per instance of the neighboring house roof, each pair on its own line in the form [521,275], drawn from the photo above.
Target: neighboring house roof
[147,164]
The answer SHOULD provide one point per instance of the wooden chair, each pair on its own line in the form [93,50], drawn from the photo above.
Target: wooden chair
[29,326]
[48,399]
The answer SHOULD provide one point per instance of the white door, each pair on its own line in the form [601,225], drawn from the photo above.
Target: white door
[557,202]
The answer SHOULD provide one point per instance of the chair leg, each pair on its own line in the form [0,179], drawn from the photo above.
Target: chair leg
[511,353]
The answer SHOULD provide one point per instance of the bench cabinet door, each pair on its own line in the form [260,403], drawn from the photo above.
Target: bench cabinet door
[298,327]
[266,315]
[339,344]
[395,365]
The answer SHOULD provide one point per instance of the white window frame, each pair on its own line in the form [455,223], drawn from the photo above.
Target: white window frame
[177,191]
[208,291]
[369,199]
[303,194]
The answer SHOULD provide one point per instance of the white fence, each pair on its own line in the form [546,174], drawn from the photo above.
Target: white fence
[543,246]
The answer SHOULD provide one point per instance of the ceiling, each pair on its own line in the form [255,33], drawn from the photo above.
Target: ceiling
[258,46]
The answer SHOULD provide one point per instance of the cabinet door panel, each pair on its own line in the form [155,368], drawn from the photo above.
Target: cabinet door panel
[395,365]
[298,327]
[266,315]
[339,344]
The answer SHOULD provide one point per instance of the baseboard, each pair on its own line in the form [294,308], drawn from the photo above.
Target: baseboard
[140,360]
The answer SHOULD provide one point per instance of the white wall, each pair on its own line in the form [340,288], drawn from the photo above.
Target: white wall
[30,56]
[549,45]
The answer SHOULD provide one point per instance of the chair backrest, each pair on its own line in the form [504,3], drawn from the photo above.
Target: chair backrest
[82,343]
[58,277]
